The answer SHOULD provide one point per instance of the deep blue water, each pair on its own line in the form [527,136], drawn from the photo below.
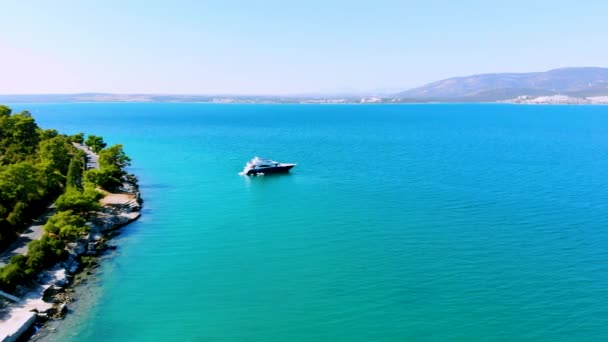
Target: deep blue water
[400,222]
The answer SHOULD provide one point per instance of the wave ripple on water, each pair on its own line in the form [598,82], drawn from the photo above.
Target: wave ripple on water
[417,222]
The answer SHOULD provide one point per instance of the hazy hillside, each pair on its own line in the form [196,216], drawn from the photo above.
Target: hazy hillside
[573,82]
[493,87]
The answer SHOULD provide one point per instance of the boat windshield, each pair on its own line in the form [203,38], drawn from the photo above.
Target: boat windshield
[263,162]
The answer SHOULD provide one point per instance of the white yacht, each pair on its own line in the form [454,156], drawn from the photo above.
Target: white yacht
[265,166]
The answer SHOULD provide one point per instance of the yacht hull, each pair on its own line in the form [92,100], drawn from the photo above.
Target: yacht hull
[270,170]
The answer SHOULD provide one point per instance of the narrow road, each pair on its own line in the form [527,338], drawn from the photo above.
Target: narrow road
[92,157]
[35,231]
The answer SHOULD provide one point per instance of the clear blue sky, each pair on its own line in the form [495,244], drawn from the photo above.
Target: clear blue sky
[283,47]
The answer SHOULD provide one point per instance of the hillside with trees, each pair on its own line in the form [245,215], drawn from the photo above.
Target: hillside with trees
[39,167]
[34,165]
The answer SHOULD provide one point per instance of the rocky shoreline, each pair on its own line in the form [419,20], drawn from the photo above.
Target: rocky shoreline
[49,298]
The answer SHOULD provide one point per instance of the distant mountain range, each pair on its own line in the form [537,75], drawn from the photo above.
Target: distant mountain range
[108,97]
[576,82]
[566,85]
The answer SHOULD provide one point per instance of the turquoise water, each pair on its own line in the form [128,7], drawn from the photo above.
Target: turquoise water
[400,222]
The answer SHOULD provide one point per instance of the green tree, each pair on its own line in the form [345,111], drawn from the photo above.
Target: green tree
[44,252]
[54,156]
[80,202]
[57,153]
[14,273]
[5,129]
[77,138]
[36,255]
[18,215]
[46,134]
[114,157]
[100,178]
[21,190]
[66,225]
[112,162]
[95,143]
[21,182]
[75,171]
[20,138]
[5,111]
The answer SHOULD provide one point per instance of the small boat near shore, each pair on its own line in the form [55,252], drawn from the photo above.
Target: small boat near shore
[263,166]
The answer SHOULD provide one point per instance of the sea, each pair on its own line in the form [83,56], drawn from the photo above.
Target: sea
[417,222]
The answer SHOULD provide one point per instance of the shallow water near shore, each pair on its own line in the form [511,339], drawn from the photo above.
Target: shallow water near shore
[400,222]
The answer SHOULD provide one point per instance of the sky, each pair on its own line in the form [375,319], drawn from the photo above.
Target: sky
[286,47]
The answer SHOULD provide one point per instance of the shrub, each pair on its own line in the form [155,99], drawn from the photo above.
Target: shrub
[14,273]
[67,225]
[79,201]
[44,252]
[95,143]
[77,138]
[99,178]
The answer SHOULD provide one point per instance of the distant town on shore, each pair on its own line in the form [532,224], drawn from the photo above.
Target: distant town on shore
[585,85]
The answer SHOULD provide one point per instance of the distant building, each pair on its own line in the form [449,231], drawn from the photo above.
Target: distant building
[373,99]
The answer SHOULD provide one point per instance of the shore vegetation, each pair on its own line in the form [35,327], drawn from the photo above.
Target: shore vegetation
[39,167]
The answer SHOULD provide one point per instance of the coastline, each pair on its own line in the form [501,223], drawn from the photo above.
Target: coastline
[551,97]
[48,300]
[385,103]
